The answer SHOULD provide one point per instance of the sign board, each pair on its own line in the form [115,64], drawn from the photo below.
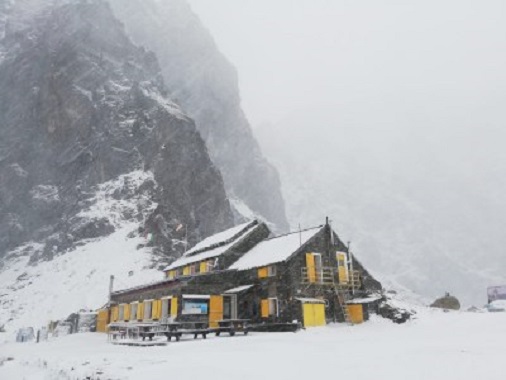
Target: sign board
[496,293]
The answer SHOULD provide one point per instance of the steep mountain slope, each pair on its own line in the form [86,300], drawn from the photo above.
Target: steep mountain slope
[205,84]
[85,106]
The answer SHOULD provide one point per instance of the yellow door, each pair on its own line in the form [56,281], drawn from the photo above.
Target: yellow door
[102,320]
[215,310]
[356,313]
[308,313]
[319,314]
[311,269]
[186,271]
[313,314]
[203,266]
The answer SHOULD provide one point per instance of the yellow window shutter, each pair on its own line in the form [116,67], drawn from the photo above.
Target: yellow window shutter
[115,313]
[264,308]
[186,271]
[102,320]
[262,272]
[126,314]
[203,266]
[140,311]
[311,269]
[160,309]
[173,307]
[154,309]
[215,310]
[342,268]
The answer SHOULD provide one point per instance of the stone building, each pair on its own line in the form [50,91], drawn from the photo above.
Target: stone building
[307,276]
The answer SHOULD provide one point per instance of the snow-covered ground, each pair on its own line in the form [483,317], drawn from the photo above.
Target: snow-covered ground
[456,345]
[52,290]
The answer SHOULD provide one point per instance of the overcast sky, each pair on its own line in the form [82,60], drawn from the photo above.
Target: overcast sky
[392,59]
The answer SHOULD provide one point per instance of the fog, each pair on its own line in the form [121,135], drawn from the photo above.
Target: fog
[387,116]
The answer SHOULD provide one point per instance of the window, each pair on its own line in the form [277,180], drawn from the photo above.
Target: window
[271,270]
[192,270]
[166,306]
[195,306]
[273,307]
[121,312]
[171,274]
[148,309]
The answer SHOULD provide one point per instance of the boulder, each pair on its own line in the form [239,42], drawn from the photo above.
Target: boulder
[447,302]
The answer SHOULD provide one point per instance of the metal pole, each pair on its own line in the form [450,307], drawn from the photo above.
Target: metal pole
[350,258]
[111,284]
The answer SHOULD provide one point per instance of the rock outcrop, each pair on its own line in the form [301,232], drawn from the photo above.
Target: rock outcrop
[205,84]
[447,302]
[82,106]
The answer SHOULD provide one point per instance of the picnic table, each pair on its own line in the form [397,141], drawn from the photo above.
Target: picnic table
[177,329]
[232,326]
[147,330]
[121,330]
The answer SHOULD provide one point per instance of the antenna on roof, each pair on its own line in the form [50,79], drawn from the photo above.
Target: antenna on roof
[300,236]
[186,237]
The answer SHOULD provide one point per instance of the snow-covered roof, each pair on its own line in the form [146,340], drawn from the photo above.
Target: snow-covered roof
[214,245]
[364,300]
[274,250]
[220,237]
[197,296]
[309,300]
[239,289]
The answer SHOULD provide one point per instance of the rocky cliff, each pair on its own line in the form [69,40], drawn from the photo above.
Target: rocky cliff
[89,138]
[206,86]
